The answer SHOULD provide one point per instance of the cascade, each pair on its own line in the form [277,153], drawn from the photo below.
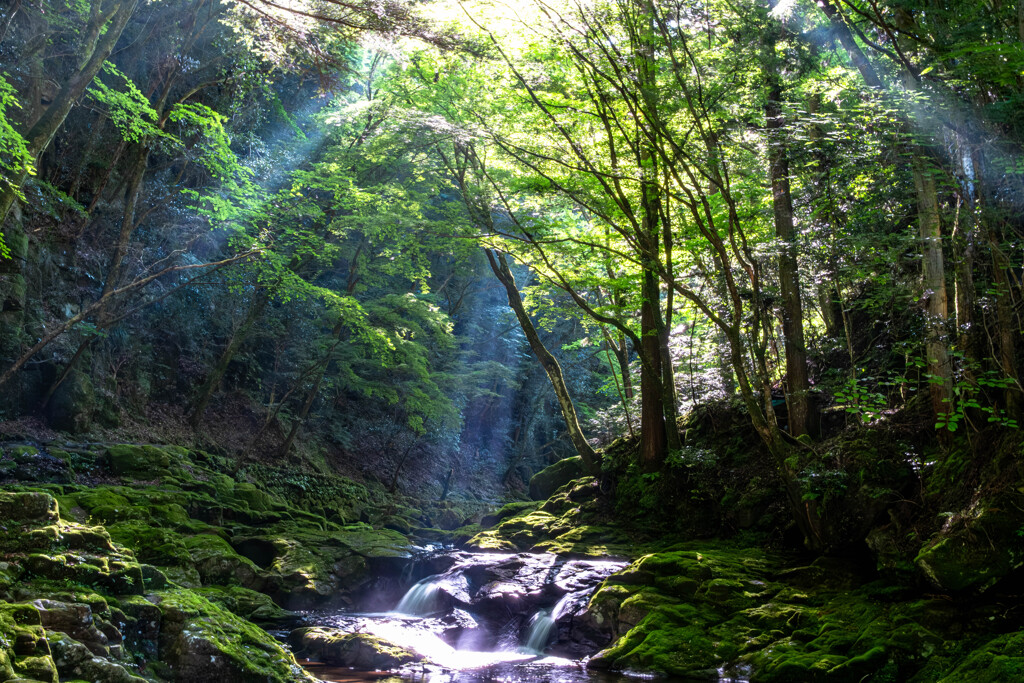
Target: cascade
[470,616]
[541,624]
[422,598]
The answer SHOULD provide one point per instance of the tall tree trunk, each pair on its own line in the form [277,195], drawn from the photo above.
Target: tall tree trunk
[797,383]
[499,265]
[933,280]
[653,441]
[933,276]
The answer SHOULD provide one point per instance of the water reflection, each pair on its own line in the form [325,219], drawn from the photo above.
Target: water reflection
[546,670]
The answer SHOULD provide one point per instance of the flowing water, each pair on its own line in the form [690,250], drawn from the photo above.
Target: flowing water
[488,617]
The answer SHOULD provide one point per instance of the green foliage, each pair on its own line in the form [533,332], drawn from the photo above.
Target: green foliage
[127,108]
[15,160]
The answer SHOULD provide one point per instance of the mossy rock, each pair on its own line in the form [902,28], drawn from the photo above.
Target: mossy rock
[218,564]
[140,462]
[252,497]
[75,661]
[979,546]
[24,651]
[551,478]
[508,510]
[1000,659]
[113,576]
[256,607]
[28,508]
[361,651]
[200,641]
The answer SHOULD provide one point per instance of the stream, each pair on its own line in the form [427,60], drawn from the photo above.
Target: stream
[483,617]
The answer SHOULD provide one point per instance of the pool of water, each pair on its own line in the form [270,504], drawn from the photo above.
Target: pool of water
[546,670]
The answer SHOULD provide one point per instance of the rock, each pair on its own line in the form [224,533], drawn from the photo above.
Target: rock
[28,507]
[357,650]
[218,563]
[75,661]
[977,547]
[73,404]
[138,462]
[507,511]
[75,620]
[199,641]
[24,650]
[550,479]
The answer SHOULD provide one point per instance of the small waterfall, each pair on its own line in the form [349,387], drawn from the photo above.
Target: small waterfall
[541,625]
[421,599]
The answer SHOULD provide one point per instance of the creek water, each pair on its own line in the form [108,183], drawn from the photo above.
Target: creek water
[487,617]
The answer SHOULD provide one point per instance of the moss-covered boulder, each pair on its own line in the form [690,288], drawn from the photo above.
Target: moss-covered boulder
[201,641]
[28,508]
[977,546]
[24,650]
[1000,659]
[553,477]
[360,651]
[138,462]
[75,661]
[256,607]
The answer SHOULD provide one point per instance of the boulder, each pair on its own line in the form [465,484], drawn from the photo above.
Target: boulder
[357,650]
[977,547]
[138,462]
[200,641]
[28,507]
[550,479]
[74,619]
[75,661]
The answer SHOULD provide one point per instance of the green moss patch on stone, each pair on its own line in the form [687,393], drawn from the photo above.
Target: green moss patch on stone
[201,641]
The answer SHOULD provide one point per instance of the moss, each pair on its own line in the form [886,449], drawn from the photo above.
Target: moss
[256,607]
[1000,659]
[509,510]
[154,545]
[138,462]
[201,641]
[27,508]
[360,651]
[551,478]
[24,651]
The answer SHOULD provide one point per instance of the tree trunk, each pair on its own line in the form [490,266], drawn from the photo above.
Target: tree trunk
[499,265]
[933,276]
[12,280]
[94,55]
[797,384]
[933,280]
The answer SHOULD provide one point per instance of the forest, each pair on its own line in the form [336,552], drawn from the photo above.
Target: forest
[455,341]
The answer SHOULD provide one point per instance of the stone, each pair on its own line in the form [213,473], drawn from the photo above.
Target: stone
[75,620]
[360,651]
[28,507]
[200,641]
[977,547]
[550,479]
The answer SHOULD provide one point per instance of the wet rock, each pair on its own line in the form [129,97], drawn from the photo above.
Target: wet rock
[550,479]
[358,650]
